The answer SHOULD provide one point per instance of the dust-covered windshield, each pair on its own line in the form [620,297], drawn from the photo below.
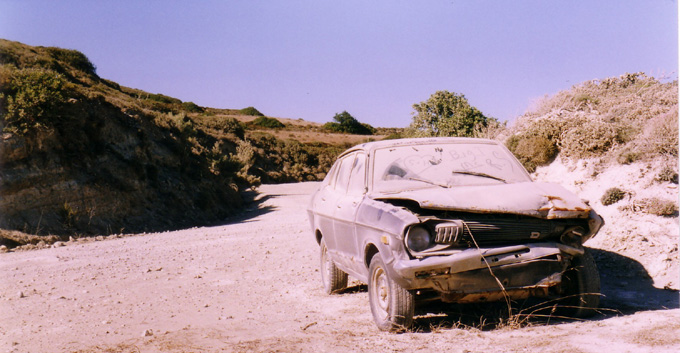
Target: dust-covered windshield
[444,165]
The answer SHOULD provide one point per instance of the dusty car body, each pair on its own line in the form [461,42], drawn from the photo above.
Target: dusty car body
[457,217]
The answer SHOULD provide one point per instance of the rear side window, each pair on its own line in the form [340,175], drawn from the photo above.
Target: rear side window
[344,172]
[357,178]
[330,177]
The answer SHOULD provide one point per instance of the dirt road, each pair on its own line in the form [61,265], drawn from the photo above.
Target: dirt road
[253,285]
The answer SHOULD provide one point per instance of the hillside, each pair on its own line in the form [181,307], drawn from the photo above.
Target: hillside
[82,155]
[615,143]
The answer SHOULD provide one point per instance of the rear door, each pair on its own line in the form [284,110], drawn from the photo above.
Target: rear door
[346,210]
[324,204]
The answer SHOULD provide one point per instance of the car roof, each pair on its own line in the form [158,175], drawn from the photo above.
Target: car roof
[369,147]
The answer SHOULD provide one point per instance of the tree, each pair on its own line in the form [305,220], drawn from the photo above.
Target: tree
[346,123]
[446,114]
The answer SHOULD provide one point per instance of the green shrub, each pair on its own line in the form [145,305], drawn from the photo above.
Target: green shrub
[161,98]
[446,114]
[251,111]
[393,136]
[532,151]
[73,58]
[191,107]
[612,196]
[347,124]
[32,98]
[267,122]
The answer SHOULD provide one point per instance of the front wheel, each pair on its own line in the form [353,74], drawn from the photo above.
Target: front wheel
[391,305]
[581,287]
[333,278]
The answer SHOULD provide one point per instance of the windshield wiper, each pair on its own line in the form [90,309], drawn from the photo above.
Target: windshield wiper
[429,182]
[478,174]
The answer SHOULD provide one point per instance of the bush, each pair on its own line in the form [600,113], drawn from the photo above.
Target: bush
[161,98]
[446,114]
[250,111]
[532,151]
[668,174]
[589,139]
[267,122]
[612,196]
[346,123]
[659,207]
[31,98]
[73,58]
[628,157]
[191,107]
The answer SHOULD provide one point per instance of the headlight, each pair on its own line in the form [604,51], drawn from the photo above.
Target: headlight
[573,236]
[418,238]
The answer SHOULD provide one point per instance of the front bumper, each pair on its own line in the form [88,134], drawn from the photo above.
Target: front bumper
[526,270]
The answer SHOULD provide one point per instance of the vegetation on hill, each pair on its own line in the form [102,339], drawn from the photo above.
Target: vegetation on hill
[346,123]
[447,114]
[267,122]
[250,111]
[625,119]
[85,155]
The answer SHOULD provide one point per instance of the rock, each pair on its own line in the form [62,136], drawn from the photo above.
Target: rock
[147,333]
[3,249]
[21,294]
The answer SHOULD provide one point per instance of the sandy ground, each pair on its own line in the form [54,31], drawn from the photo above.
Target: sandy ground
[254,285]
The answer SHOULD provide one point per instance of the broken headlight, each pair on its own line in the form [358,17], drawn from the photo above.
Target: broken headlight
[573,236]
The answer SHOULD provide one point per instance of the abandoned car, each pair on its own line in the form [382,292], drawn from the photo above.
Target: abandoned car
[457,218]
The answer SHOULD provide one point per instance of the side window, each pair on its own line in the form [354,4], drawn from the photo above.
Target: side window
[343,173]
[357,178]
[330,177]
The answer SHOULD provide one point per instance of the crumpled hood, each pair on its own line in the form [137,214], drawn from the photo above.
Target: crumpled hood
[543,200]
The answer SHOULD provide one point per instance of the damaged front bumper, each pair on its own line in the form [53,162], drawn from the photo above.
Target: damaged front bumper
[474,275]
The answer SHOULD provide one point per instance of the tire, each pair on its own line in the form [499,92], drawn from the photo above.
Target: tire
[333,278]
[581,287]
[391,305]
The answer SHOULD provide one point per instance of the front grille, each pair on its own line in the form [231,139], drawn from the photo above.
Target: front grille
[499,231]
[490,230]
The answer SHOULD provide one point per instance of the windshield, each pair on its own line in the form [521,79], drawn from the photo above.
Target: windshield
[444,165]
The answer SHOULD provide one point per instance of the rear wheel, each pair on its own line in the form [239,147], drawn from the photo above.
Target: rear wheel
[391,305]
[333,278]
[581,287]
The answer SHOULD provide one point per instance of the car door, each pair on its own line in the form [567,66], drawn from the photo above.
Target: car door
[324,205]
[346,212]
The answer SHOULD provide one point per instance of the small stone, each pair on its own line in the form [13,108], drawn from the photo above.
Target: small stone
[3,249]
[21,294]
[147,333]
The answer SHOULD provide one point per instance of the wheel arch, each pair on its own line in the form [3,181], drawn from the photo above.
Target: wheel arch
[369,252]
[318,236]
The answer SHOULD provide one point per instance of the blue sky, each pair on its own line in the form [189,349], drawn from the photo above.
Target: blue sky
[375,59]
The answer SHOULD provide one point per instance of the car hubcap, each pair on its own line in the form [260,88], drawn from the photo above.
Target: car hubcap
[381,292]
[325,266]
